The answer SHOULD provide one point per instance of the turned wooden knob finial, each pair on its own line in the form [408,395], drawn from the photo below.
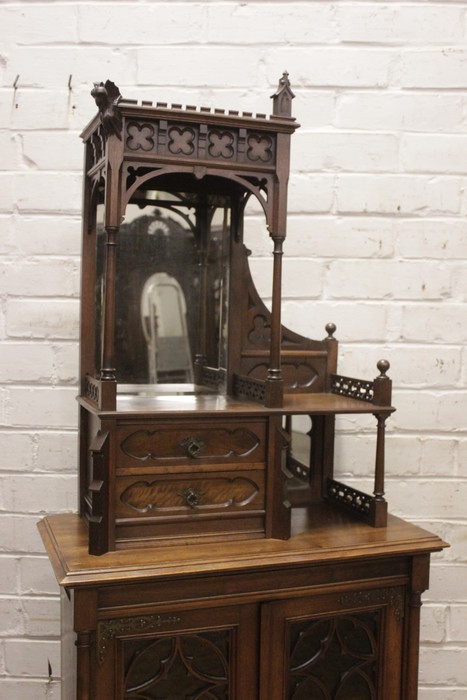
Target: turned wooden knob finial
[330,329]
[383,366]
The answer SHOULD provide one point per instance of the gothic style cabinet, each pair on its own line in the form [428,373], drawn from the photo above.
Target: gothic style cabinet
[208,561]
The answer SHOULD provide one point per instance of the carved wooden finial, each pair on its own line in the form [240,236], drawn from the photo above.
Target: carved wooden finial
[282,98]
[107,96]
[383,366]
[330,330]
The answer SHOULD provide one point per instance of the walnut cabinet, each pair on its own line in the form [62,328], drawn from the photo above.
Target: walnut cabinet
[332,613]
[210,560]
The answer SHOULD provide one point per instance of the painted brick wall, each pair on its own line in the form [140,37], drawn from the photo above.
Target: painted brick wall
[377,243]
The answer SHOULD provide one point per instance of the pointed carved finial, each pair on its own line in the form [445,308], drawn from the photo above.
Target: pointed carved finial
[107,96]
[282,98]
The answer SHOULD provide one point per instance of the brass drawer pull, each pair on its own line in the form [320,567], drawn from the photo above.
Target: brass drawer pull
[191,496]
[192,445]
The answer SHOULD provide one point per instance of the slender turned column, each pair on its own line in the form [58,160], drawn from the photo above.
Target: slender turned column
[274,371]
[108,359]
[379,464]
[203,223]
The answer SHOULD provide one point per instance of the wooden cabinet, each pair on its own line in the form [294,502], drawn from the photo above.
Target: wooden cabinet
[333,612]
[208,561]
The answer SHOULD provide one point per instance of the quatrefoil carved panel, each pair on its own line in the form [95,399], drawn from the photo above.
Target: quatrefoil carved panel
[259,148]
[221,144]
[140,137]
[181,141]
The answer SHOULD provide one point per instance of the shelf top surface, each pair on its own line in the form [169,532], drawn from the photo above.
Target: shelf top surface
[320,534]
[213,404]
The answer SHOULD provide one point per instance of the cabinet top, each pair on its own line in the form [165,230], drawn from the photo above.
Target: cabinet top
[320,534]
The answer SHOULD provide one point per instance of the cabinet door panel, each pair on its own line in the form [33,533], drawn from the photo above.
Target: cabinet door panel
[179,654]
[343,646]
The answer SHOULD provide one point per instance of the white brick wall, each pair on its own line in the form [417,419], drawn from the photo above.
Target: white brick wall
[377,243]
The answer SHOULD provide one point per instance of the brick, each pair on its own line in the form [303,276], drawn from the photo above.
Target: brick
[452,410]
[390,110]
[31,318]
[434,68]
[436,323]
[433,623]
[41,616]
[437,239]
[438,692]
[9,148]
[437,154]
[207,66]
[29,689]
[311,317]
[42,276]
[329,66]
[47,235]
[443,666]
[128,24]
[26,362]
[355,237]
[289,23]
[398,24]
[44,407]
[66,363]
[6,192]
[37,577]
[12,616]
[45,67]
[35,192]
[457,628]
[51,150]
[397,194]
[308,194]
[29,24]
[56,452]
[19,533]
[389,279]
[425,498]
[17,451]
[345,151]
[447,583]
[56,108]
[57,493]
[31,657]
[8,575]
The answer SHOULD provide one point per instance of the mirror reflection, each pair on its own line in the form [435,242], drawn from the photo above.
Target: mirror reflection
[172,282]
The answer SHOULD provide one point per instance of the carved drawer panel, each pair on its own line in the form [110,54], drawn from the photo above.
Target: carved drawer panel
[190,495]
[191,443]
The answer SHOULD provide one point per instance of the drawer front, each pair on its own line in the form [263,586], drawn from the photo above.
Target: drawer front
[189,442]
[194,495]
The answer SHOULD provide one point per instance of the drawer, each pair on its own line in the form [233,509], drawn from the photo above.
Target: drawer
[190,442]
[193,495]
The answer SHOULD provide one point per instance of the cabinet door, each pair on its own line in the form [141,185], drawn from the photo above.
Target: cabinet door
[205,654]
[339,646]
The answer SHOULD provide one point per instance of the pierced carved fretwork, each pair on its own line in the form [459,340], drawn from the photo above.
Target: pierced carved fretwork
[352,388]
[92,389]
[348,496]
[248,388]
